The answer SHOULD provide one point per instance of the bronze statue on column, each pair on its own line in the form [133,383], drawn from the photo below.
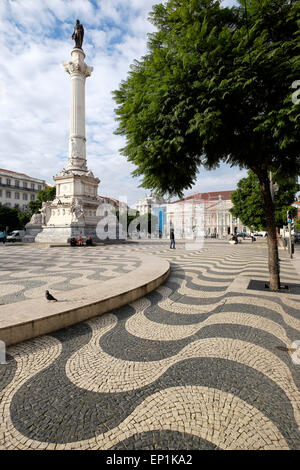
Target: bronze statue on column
[78,34]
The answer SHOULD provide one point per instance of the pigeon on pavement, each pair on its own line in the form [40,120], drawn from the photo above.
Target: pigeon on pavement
[50,297]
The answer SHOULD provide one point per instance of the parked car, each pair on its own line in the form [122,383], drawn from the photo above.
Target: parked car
[260,234]
[242,234]
[15,236]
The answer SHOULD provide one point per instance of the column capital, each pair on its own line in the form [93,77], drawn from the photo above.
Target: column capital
[77,66]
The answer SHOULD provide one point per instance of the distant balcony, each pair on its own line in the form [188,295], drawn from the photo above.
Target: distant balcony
[18,188]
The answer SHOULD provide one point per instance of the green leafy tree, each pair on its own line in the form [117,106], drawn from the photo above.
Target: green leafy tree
[148,220]
[283,200]
[129,217]
[13,218]
[43,195]
[215,86]
[24,217]
[248,203]
[9,218]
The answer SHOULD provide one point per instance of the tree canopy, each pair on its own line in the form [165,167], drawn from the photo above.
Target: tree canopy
[127,219]
[248,203]
[9,217]
[215,86]
[148,222]
[43,195]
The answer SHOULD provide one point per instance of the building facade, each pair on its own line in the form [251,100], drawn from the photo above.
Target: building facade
[145,205]
[18,189]
[201,215]
[118,205]
[157,206]
[204,215]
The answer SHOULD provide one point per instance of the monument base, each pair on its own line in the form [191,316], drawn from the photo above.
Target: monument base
[31,233]
[63,233]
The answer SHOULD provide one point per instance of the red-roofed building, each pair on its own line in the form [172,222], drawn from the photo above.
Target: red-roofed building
[17,189]
[114,202]
[211,196]
[204,212]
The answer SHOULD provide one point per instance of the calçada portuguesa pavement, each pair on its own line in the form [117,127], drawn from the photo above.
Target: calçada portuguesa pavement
[195,364]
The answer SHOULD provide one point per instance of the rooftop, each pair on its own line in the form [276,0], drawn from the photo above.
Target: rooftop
[18,175]
[211,196]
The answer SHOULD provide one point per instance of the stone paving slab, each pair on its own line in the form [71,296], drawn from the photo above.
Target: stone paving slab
[296,259]
[21,320]
[27,271]
[199,363]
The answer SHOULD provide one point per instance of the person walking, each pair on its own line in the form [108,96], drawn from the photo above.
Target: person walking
[172,238]
[2,237]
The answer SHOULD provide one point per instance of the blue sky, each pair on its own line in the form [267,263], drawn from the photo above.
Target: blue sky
[35,39]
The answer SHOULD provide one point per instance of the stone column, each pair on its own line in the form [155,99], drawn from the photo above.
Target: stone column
[78,71]
[231,222]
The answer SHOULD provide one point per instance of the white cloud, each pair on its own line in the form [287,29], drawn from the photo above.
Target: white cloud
[222,179]
[35,38]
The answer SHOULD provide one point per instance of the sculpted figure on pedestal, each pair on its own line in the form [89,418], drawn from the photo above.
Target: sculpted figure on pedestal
[77,211]
[78,34]
[46,212]
[36,219]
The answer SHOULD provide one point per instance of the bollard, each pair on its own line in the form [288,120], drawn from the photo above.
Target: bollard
[2,353]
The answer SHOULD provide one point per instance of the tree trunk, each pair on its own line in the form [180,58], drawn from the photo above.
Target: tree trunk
[271,229]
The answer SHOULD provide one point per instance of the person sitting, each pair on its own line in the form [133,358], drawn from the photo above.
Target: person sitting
[234,238]
[89,241]
[79,241]
[72,241]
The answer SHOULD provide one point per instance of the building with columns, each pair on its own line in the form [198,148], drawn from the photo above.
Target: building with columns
[209,210]
[206,214]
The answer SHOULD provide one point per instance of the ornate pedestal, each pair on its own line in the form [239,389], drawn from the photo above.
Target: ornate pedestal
[73,211]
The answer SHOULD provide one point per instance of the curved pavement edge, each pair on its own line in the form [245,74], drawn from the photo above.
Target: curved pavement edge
[35,317]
